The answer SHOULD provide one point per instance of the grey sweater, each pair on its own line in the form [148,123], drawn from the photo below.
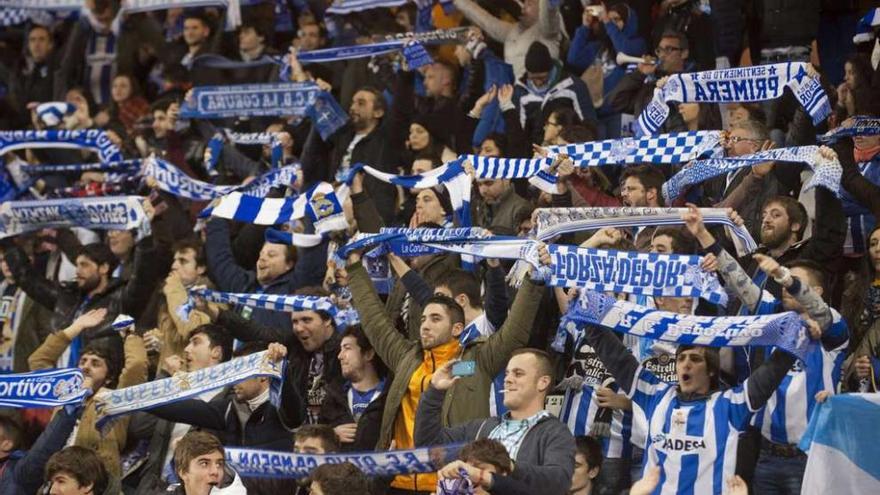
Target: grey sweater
[545,461]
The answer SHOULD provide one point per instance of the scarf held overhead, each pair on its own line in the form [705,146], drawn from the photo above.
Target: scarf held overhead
[106,213]
[93,139]
[44,388]
[744,84]
[783,330]
[251,100]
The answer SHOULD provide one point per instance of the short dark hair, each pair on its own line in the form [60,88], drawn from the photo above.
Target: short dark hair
[10,429]
[814,269]
[323,432]
[193,445]
[591,449]
[681,37]
[340,479]
[357,332]
[462,282]
[649,176]
[500,141]
[317,291]
[199,16]
[379,100]
[104,349]
[795,211]
[681,243]
[82,464]
[430,154]
[487,451]
[217,336]
[453,309]
[565,116]
[545,364]
[162,104]
[195,245]
[258,28]
[100,254]
[249,348]
[713,362]
[579,133]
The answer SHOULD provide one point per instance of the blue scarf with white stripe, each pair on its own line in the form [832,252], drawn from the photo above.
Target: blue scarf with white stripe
[743,84]
[93,139]
[43,388]
[111,212]
[250,100]
[783,330]
[860,125]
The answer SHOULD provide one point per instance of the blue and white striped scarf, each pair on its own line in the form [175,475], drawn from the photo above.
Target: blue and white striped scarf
[52,113]
[551,222]
[110,404]
[411,242]
[173,181]
[298,239]
[123,167]
[251,100]
[254,463]
[783,330]
[271,302]
[341,7]
[93,139]
[826,173]
[43,4]
[861,126]
[43,388]
[743,84]
[230,8]
[319,203]
[111,212]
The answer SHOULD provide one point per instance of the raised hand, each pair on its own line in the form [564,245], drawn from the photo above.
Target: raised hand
[276,352]
[769,265]
[442,378]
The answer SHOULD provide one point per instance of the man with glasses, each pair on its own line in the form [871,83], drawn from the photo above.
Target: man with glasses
[635,89]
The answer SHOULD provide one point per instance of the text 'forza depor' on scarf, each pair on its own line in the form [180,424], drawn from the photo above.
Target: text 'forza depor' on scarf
[784,330]
[743,84]
[184,385]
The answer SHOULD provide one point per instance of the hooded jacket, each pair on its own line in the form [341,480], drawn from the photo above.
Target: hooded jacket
[535,105]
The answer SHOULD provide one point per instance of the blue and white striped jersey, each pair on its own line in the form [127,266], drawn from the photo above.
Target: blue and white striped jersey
[693,442]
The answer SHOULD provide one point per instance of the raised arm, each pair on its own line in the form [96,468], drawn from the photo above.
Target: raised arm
[428,430]
[493,26]
[28,473]
[143,278]
[390,345]
[548,19]
[221,263]
[247,331]
[617,359]
[829,231]
[761,384]
[35,286]
[494,354]
[135,370]
[496,294]
[414,283]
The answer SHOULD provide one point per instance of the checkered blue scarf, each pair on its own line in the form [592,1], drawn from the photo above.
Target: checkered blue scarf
[672,148]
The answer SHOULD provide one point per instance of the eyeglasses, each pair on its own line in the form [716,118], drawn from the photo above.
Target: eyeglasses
[736,139]
[661,50]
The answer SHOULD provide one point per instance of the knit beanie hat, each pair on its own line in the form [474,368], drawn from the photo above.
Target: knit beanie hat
[538,58]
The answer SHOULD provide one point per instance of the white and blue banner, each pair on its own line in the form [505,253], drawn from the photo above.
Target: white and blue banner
[249,100]
[125,166]
[860,125]
[231,8]
[272,302]
[783,330]
[843,443]
[298,239]
[111,212]
[743,84]
[280,177]
[43,4]
[215,145]
[43,388]
[319,203]
[326,115]
[826,173]
[173,181]
[408,242]
[93,139]
[552,222]
[253,463]
[184,385]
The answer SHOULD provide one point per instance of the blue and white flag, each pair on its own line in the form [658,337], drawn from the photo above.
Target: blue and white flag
[826,173]
[280,177]
[110,212]
[860,125]
[184,385]
[865,26]
[272,302]
[249,100]
[43,4]
[341,7]
[326,115]
[253,463]
[319,203]
[93,139]
[298,239]
[843,443]
[783,330]
[743,84]
[672,148]
[552,222]
[409,242]
[43,388]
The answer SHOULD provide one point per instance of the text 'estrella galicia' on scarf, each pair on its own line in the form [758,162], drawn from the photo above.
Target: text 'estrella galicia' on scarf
[784,330]
[744,84]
